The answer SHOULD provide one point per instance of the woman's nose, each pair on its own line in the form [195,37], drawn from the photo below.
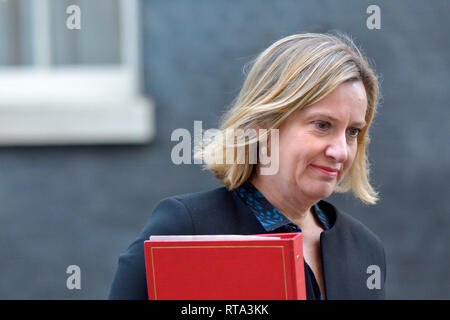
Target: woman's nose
[338,149]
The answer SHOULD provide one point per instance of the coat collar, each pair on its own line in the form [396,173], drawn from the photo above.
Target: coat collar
[269,216]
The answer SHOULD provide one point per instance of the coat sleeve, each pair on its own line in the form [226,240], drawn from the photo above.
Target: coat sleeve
[170,217]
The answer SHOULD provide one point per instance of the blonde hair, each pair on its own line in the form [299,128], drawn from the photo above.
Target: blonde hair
[293,73]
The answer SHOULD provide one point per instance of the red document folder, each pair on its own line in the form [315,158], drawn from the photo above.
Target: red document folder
[255,267]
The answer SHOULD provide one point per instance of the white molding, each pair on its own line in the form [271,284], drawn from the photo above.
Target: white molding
[132,123]
[130,34]
[41,33]
[34,87]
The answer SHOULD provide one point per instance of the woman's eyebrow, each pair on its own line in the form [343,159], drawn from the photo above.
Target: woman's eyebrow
[334,119]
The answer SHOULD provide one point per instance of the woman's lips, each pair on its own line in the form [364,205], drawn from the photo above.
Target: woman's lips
[330,172]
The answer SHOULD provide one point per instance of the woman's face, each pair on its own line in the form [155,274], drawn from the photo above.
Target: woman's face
[317,145]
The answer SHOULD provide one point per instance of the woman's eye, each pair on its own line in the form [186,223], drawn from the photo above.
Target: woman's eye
[322,125]
[354,132]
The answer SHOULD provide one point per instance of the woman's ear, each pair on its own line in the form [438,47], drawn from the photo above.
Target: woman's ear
[264,145]
[264,139]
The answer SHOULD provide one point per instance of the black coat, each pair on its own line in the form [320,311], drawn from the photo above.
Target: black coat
[348,248]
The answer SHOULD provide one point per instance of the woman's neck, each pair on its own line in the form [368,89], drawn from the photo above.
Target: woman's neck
[299,213]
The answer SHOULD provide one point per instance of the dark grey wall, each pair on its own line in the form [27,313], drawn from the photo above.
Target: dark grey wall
[84,205]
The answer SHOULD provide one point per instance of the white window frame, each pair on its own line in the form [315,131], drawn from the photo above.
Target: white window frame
[92,104]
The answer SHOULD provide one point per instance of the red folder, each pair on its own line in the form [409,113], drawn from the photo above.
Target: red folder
[228,267]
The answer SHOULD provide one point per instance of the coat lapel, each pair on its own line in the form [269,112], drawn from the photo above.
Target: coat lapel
[346,253]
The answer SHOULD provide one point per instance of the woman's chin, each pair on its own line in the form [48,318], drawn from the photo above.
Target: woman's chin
[320,190]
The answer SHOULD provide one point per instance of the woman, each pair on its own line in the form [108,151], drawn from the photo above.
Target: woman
[316,95]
